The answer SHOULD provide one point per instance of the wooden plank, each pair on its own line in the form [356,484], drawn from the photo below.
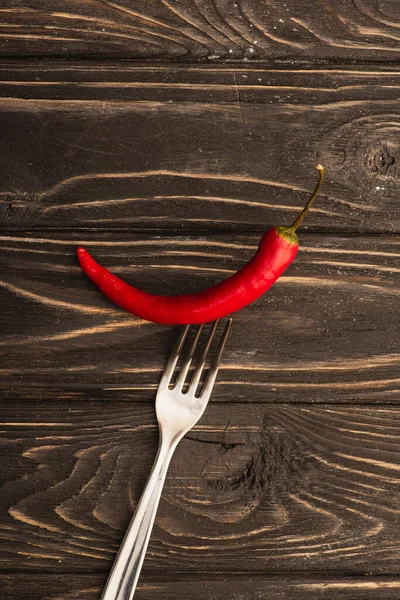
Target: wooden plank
[166,147]
[255,488]
[88,587]
[363,29]
[328,331]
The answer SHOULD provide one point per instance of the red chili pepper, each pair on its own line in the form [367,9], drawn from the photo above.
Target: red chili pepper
[277,249]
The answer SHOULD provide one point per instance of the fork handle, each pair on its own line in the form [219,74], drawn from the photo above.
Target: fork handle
[125,572]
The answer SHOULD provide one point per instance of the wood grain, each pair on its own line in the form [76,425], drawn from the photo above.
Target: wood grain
[273,488]
[88,587]
[126,146]
[200,30]
[327,331]
[168,170]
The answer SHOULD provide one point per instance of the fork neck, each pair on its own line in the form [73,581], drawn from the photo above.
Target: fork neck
[168,442]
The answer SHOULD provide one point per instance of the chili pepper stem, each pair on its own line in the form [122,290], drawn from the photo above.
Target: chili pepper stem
[289,233]
[307,207]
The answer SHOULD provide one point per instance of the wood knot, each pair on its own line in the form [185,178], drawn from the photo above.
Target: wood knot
[363,155]
[380,161]
[17,208]
[241,473]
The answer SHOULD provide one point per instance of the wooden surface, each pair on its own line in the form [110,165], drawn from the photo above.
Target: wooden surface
[330,325]
[88,587]
[215,30]
[168,168]
[184,148]
[266,487]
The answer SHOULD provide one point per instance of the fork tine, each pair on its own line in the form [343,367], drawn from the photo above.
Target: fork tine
[212,375]
[221,345]
[188,360]
[209,340]
[199,369]
[174,356]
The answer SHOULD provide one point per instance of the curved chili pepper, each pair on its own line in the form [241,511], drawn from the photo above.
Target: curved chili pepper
[277,249]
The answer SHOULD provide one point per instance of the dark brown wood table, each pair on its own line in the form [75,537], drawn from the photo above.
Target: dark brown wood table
[167,136]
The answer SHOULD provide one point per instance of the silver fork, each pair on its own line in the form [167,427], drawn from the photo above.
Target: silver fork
[177,412]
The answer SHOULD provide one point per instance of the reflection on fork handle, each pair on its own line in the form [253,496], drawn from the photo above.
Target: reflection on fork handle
[125,572]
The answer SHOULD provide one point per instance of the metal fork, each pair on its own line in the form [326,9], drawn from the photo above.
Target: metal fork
[178,410]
